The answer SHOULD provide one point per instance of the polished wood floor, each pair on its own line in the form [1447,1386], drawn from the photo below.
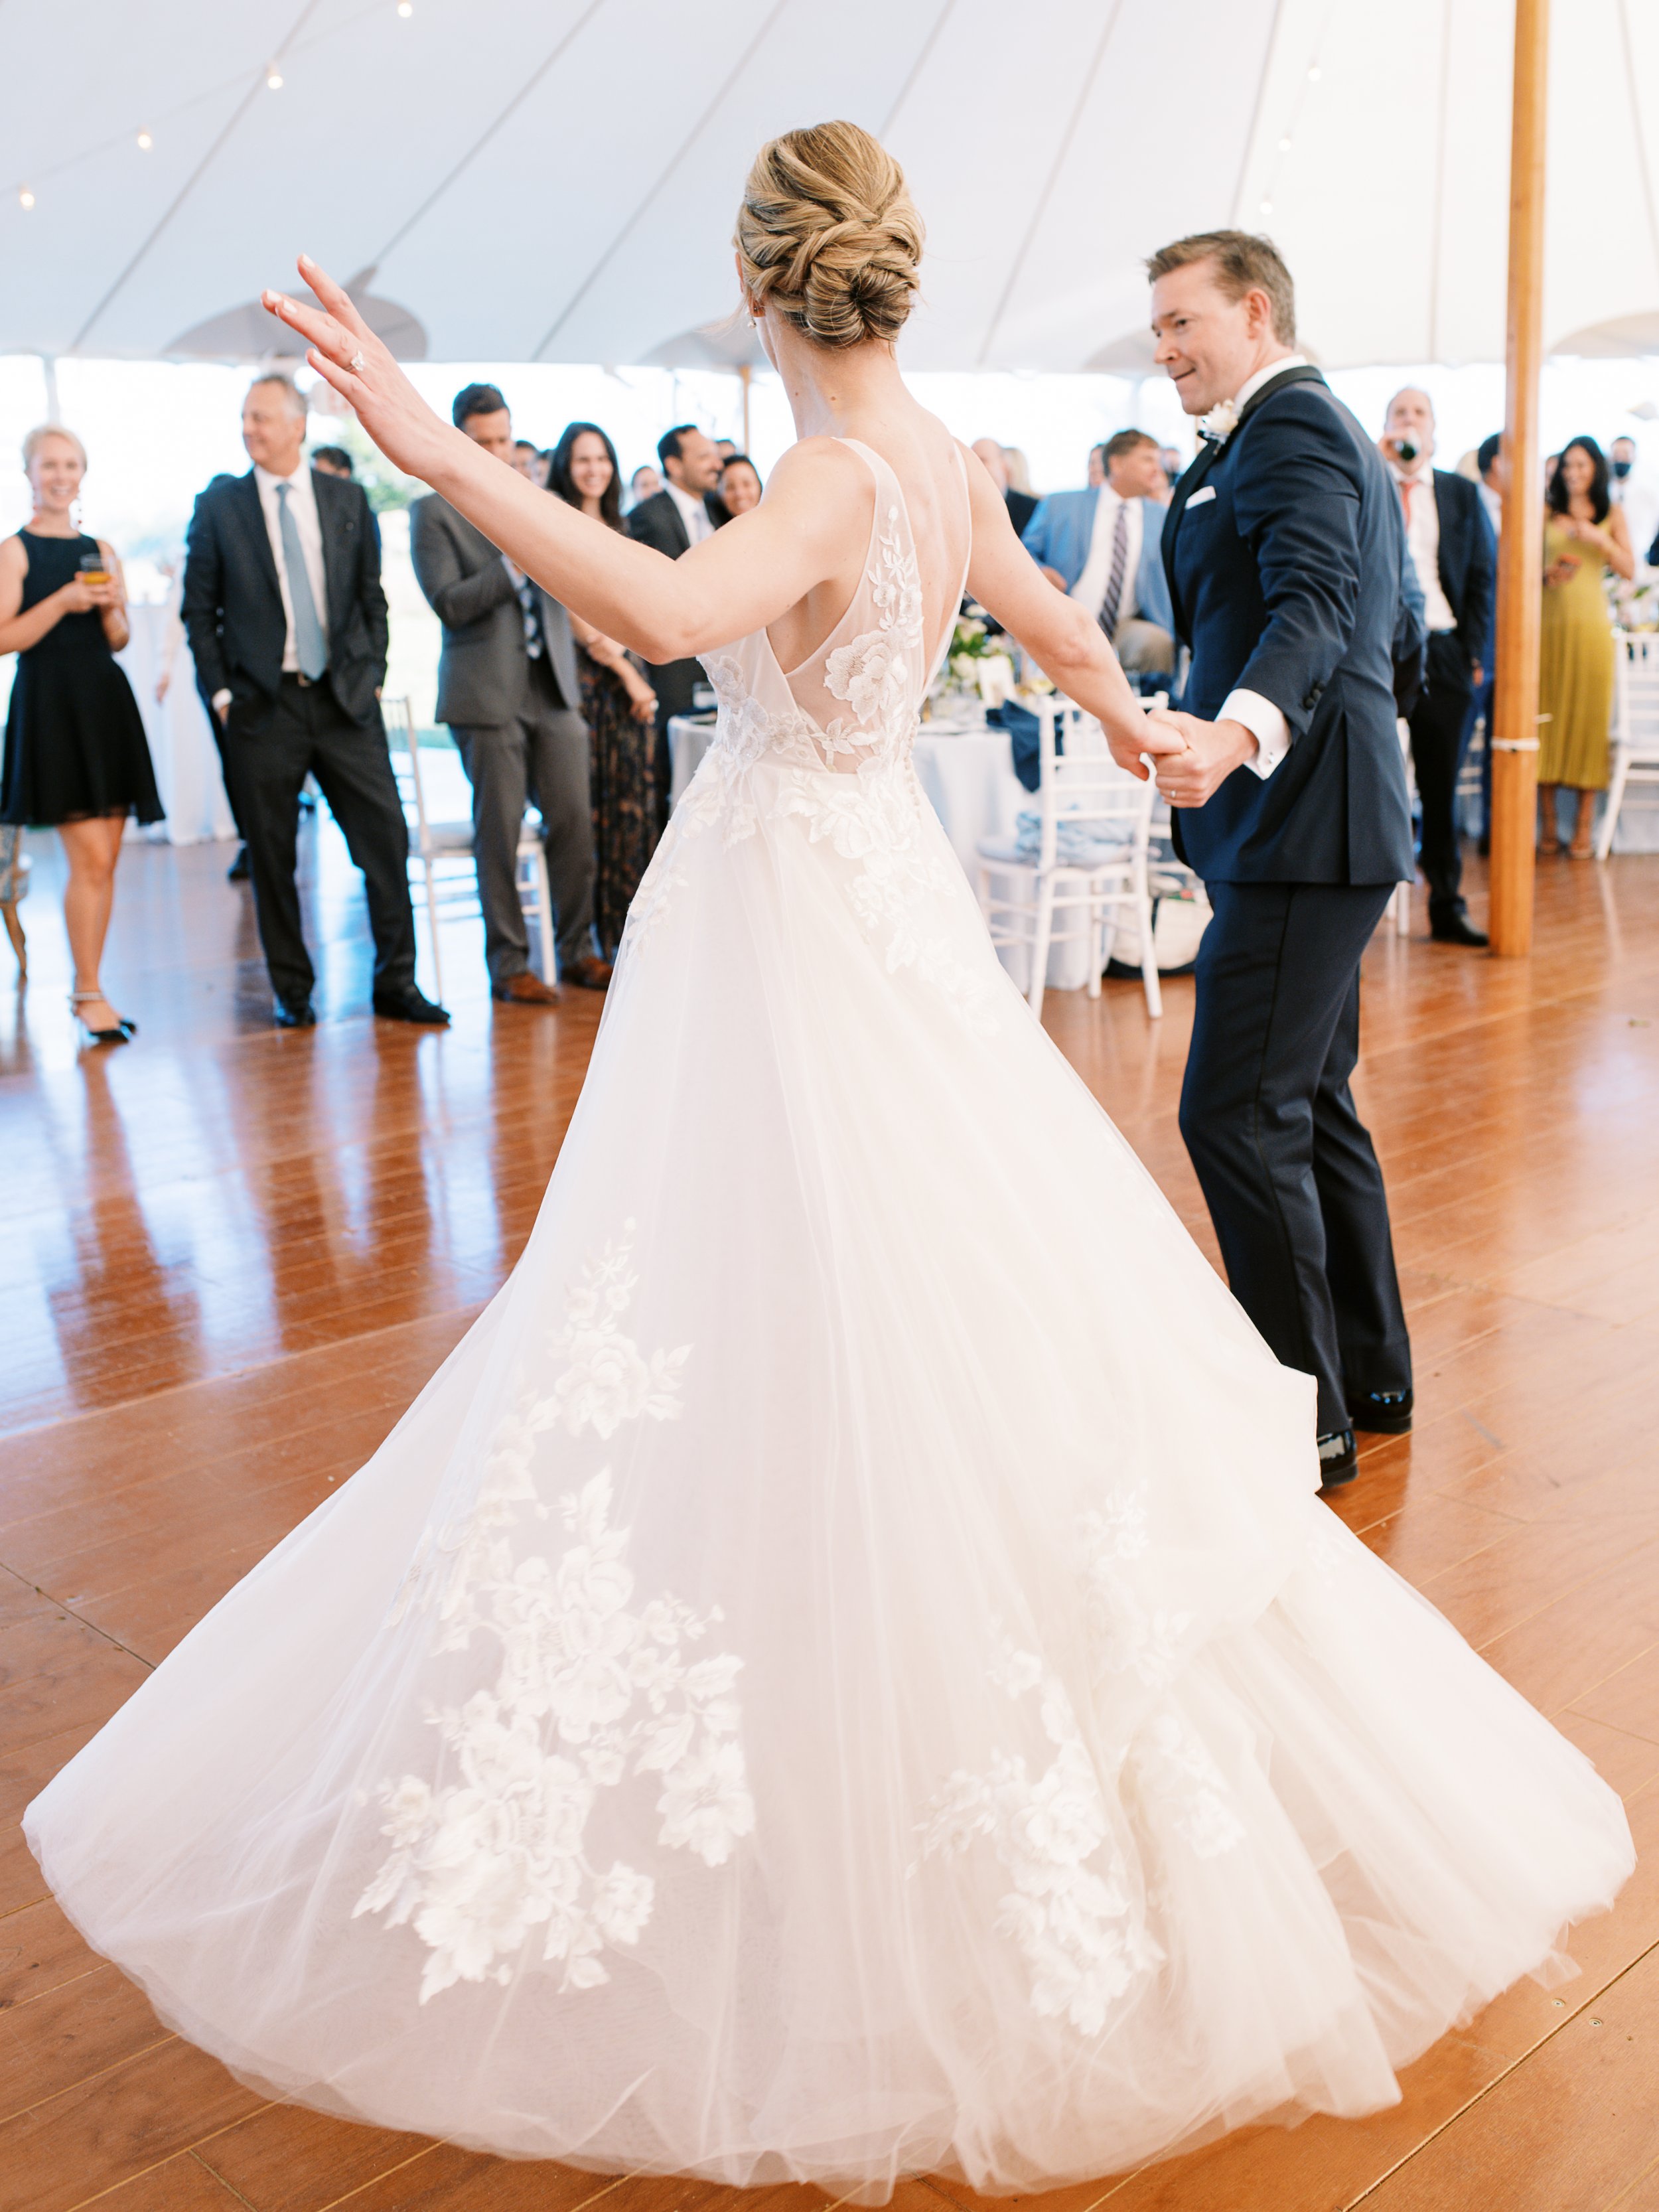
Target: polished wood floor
[232,1256]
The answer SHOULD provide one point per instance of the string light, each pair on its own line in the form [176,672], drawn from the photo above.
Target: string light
[273,77]
[145,142]
[1313,75]
[1267,207]
[406,8]
[25,197]
[1284,145]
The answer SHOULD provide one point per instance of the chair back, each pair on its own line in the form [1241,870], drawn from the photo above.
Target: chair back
[1636,697]
[1081,786]
[398,714]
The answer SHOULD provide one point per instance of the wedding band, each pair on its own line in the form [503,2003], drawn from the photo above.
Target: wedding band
[358,364]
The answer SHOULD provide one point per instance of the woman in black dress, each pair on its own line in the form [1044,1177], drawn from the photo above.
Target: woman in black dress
[76,756]
[618,705]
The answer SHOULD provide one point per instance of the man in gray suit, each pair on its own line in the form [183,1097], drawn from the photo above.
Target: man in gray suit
[508,688]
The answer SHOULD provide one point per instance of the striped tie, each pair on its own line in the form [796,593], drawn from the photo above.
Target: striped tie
[1113,598]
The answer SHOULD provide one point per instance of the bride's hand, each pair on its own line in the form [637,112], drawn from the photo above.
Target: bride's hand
[346,354]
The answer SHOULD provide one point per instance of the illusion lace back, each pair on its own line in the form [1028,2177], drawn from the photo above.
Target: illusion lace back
[843,1672]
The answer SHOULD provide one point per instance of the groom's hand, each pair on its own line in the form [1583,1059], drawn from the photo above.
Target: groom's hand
[1207,757]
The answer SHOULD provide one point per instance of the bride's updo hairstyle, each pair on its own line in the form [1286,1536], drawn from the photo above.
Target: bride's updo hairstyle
[826,235]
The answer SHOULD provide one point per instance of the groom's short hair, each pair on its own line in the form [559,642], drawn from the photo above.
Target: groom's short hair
[1243,262]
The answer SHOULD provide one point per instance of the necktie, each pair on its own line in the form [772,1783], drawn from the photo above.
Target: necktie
[1113,598]
[1405,502]
[310,646]
[533,618]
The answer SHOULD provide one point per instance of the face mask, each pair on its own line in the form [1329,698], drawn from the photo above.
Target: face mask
[1621,468]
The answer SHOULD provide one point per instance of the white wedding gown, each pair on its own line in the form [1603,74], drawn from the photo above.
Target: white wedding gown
[844,1671]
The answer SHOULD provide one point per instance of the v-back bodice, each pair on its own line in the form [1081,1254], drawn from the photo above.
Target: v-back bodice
[857,699]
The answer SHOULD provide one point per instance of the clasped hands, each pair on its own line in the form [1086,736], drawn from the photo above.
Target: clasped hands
[1191,759]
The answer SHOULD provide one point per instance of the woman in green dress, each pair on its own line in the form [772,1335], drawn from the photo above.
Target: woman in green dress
[1585,536]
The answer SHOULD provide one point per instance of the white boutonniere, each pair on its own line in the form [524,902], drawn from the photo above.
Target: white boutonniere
[1219,425]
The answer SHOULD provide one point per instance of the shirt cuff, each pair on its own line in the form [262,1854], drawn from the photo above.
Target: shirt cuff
[1267,722]
[220,701]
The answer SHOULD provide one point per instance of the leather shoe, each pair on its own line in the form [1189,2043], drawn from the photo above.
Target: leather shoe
[1382,1413]
[409,1005]
[1455,928]
[526,990]
[294,1014]
[1339,1459]
[590,973]
[237,872]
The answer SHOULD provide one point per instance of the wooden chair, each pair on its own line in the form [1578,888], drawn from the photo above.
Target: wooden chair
[1635,726]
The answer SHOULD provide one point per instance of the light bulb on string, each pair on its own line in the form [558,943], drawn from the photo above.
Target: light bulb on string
[1313,74]
[273,77]
[1284,145]
[145,142]
[25,197]
[406,8]
[1267,207]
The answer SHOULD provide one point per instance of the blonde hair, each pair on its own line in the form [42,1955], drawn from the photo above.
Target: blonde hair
[1244,262]
[827,237]
[1018,468]
[37,437]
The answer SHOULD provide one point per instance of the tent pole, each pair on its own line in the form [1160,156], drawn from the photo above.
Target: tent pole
[48,371]
[745,373]
[1514,703]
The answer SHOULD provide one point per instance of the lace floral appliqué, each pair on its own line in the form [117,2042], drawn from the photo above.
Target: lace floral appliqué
[592,1691]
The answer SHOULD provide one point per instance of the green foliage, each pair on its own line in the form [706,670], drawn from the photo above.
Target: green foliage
[388,489]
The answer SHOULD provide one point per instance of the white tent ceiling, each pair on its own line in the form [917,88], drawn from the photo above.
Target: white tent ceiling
[555,181]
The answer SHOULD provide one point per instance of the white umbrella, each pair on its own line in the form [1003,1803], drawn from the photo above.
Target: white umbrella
[556,181]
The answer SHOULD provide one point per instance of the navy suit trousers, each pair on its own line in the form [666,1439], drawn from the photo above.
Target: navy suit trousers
[1287,1168]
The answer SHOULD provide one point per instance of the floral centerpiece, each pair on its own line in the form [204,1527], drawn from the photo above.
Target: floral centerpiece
[978,664]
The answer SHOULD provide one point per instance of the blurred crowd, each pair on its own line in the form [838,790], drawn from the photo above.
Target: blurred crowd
[286,620]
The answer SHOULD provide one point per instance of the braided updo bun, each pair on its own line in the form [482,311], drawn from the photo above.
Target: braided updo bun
[827,236]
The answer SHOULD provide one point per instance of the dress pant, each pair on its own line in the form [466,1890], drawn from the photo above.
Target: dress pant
[1287,1168]
[310,733]
[540,756]
[1440,728]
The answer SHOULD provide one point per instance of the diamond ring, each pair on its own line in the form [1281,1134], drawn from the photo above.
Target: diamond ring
[358,364]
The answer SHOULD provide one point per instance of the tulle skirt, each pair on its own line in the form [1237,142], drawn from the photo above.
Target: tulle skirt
[844,1671]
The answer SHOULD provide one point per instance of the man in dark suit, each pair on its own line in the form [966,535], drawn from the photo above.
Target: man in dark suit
[1283,546]
[1456,559]
[508,688]
[287,624]
[682,514]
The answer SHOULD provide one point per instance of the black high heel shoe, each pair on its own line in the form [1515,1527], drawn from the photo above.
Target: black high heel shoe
[123,1031]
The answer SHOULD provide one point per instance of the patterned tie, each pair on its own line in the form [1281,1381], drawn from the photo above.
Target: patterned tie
[310,646]
[1113,598]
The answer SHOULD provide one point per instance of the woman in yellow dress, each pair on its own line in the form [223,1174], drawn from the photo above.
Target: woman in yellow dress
[1585,536]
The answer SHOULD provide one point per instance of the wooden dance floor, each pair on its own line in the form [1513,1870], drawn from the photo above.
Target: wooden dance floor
[234,1256]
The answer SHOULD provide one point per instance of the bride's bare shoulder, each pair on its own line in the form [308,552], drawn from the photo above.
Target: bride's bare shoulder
[819,465]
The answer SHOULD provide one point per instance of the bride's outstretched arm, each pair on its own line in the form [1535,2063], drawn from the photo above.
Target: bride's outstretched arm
[1063,640]
[739,580]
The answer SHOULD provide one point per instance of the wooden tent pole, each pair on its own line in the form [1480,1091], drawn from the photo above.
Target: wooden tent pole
[1514,703]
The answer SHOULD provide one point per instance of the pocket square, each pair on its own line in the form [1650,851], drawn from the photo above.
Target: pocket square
[1199,497]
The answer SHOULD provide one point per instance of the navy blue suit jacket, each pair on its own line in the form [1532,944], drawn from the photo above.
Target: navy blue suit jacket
[1467,562]
[1287,582]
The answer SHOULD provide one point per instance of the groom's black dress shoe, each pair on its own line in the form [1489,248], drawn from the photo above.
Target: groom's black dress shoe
[409,1004]
[1382,1413]
[294,1014]
[1339,1459]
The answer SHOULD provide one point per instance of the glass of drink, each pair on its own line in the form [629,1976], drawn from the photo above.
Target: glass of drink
[93,571]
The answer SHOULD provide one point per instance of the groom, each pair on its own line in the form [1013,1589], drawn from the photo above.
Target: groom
[1282,546]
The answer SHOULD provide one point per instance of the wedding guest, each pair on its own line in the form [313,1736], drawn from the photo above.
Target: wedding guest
[509,689]
[1020,488]
[1490,467]
[1020,505]
[618,705]
[1096,473]
[1634,492]
[75,753]
[333,461]
[530,462]
[1493,472]
[1173,463]
[1585,536]
[644,483]
[685,511]
[287,624]
[1455,558]
[1103,547]
[739,485]
[14,889]
[725,448]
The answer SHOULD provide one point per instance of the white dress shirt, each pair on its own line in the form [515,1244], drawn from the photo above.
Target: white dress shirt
[1259,716]
[1089,589]
[693,513]
[302,505]
[1423,539]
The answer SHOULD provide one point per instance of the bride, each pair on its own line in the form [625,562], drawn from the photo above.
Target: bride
[844,1671]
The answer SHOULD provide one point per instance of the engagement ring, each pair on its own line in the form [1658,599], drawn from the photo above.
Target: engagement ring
[358,364]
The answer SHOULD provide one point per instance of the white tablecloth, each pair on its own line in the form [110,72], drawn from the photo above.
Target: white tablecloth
[968,777]
[181,747]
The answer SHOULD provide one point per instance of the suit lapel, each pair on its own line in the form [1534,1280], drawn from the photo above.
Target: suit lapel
[336,524]
[1202,463]
[246,492]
